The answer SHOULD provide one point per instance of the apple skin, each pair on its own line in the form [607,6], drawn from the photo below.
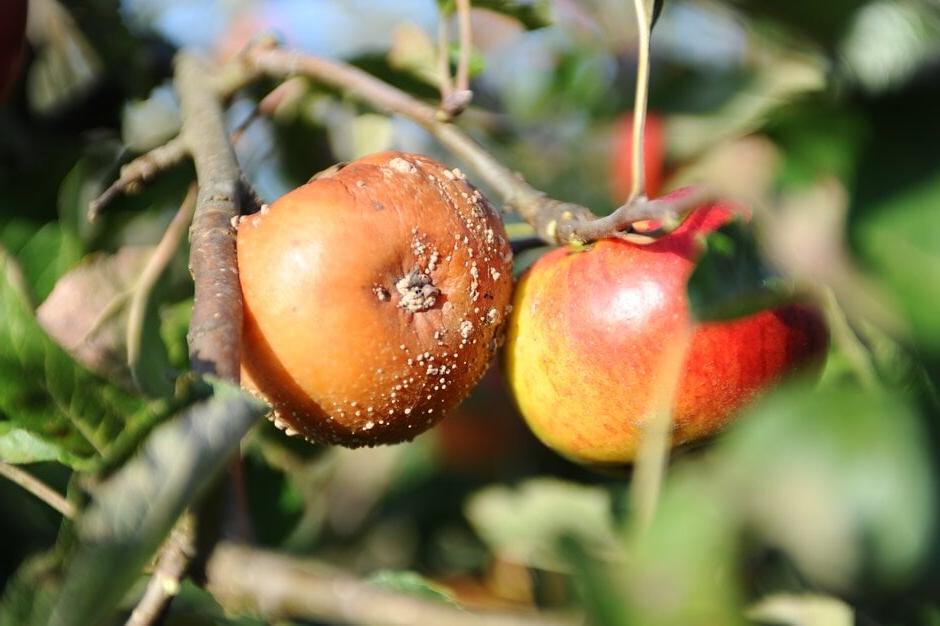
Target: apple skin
[591,329]
[621,156]
[374,299]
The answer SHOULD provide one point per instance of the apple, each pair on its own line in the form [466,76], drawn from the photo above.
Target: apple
[621,156]
[374,299]
[592,330]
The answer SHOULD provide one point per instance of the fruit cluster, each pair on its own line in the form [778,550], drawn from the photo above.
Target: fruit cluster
[375,297]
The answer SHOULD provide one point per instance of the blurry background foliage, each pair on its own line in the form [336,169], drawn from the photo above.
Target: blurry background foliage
[818,507]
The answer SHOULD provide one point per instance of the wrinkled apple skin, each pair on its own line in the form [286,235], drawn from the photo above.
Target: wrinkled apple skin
[374,299]
[592,329]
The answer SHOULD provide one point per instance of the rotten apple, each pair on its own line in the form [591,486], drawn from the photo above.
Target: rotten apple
[374,299]
[594,329]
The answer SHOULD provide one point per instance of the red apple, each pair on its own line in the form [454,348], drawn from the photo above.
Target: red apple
[621,156]
[593,329]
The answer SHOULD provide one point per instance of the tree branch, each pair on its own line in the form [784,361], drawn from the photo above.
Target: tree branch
[278,587]
[555,222]
[175,555]
[139,171]
[215,330]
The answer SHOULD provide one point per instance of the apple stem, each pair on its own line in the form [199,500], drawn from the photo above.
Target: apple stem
[644,26]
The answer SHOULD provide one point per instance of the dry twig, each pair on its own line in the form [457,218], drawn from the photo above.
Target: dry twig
[139,171]
[175,555]
[276,587]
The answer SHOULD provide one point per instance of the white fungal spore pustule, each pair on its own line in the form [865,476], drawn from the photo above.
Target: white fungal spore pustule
[417,292]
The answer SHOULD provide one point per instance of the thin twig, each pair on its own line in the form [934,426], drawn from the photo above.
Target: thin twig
[215,329]
[644,19]
[175,556]
[276,587]
[653,452]
[456,96]
[462,79]
[138,172]
[38,488]
[555,221]
[156,265]
[443,57]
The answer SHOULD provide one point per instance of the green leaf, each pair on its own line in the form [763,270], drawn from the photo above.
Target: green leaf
[43,391]
[731,278]
[22,446]
[137,506]
[525,524]
[84,182]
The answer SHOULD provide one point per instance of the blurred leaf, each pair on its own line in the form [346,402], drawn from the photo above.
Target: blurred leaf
[531,13]
[43,254]
[525,524]
[66,66]
[889,42]
[412,50]
[84,182]
[44,391]
[746,106]
[30,593]
[136,507]
[600,589]
[683,570]
[174,324]
[818,138]
[731,278]
[413,584]
[802,610]
[839,479]
[22,446]
[824,22]
[369,132]
[894,221]
[86,313]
